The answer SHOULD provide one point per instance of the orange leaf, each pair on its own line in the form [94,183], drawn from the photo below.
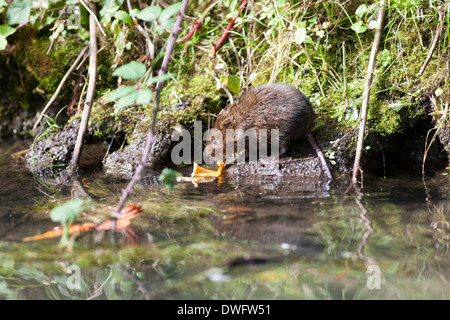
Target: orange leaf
[200,175]
[128,213]
[56,232]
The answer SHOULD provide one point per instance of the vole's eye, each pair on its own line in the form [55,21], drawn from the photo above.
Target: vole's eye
[227,122]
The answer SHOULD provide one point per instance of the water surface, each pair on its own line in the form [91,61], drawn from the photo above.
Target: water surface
[234,239]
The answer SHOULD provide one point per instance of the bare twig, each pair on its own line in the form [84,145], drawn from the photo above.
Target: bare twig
[60,86]
[224,37]
[90,91]
[437,36]
[198,23]
[151,133]
[320,155]
[366,95]
[93,14]
[438,127]
[55,27]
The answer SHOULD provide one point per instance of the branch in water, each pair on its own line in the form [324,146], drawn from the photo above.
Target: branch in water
[151,133]
[90,91]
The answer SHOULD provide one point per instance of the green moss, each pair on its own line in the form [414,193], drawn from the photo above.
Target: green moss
[49,69]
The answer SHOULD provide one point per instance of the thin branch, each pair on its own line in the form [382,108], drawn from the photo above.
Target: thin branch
[60,86]
[366,95]
[437,36]
[55,27]
[320,155]
[151,133]
[92,14]
[198,23]
[224,37]
[90,91]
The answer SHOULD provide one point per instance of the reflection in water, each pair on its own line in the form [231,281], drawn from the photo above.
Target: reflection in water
[240,239]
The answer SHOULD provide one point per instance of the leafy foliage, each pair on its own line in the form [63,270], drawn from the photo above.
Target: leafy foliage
[170,178]
[5,31]
[18,12]
[131,71]
[65,214]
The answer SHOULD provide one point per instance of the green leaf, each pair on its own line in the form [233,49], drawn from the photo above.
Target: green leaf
[131,71]
[149,14]
[164,77]
[169,23]
[373,24]
[358,27]
[68,211]
[126,101]
[233,83]
[6,30]
[125,17]
[397,106]
[144,96]
[18,12]
[169,12]
[280,3]
[119,93]
[3,3]
[385,57]
[169,177]
[361,10]
[300,35]
[134,12]
[3,43]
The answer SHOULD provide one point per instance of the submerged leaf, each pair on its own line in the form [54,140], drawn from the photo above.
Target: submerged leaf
[128,213]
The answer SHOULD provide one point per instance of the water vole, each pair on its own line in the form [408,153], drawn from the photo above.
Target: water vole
[271,106]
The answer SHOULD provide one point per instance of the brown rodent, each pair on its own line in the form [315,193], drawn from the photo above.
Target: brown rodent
[271,106]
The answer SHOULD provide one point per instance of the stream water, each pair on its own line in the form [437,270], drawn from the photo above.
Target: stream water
[230,239]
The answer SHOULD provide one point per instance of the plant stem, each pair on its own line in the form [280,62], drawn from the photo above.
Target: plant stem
[224,37]
[198,23]
[90,91]
[366,95]
[61,84]
[151,133]
[437,36]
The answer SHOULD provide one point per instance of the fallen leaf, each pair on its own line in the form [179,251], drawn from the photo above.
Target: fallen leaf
[201,175]
[128,213]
